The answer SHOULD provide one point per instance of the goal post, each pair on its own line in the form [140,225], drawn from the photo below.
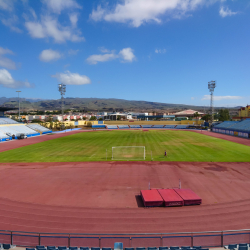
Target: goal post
[128,153]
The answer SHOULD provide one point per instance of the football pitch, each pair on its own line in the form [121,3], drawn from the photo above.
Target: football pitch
[97,146]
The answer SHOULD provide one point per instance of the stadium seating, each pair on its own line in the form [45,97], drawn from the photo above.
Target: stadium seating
[5,120]
[242,246]
[239,126]
[99,126]
[17,130]
[226,124]
[181,126]
[134,126]
[3,136]
[158,126]
[169,126]
[112,127]
[123,126]
[146,126]
[39,128]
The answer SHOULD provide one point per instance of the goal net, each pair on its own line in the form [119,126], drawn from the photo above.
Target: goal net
[128,153]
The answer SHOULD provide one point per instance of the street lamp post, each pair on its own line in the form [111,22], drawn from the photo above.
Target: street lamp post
[18,91]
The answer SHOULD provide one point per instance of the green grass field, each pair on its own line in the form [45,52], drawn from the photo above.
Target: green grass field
[180,146]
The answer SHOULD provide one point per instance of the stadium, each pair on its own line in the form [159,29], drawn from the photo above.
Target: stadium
[124,125]
[81,188]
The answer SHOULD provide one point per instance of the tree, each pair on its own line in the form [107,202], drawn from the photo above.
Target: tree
[118,118]
[196,115]
[92,118]
[224,115]
[206,117]
[100,119]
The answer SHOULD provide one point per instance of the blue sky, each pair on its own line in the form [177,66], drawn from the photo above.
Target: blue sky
[154,50]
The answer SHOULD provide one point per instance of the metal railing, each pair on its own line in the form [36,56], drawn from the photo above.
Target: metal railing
[204,239]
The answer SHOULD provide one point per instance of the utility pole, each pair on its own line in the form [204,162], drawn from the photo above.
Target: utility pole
[211,87]
[18,91]
[62,90]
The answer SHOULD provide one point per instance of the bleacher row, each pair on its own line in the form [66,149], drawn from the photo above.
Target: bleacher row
[109,248]
[10,128]
[238,126]
[141,126]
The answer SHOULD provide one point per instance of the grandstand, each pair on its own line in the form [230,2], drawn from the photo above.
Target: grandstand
[236,128]
[134,126]
[39,128]
[10,129]
[112,127]
[169,126]
[5,120]
[181,126]
[158,126]
[147,126]
[123,126]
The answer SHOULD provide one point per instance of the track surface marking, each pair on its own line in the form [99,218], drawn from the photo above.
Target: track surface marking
[102,197]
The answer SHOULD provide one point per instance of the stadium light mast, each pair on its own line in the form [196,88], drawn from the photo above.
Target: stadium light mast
[18,91]
[211,87]
[62,90]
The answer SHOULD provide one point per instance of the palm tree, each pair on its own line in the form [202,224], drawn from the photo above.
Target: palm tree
[196,115]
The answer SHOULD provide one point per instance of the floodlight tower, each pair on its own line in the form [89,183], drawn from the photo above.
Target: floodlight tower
[211,87]
[62,90]
[18,91]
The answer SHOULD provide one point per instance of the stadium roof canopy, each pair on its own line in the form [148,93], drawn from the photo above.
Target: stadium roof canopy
[188,112]
[3,109]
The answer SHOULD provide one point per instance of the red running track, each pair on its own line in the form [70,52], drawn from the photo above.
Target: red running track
[103,197]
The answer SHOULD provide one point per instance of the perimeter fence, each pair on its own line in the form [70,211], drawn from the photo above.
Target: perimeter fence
[204,239]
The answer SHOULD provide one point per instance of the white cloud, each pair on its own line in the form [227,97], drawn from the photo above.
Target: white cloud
[11,23]
[127,55]
[48,55]
[69,78]
[6,5]
[160,51]
[104,50]
[224,12]
[192,98]
[73,19]
[94,59]
[219,98]
[4,61]
[73,52]
[50,27]
[137,12]
[7,81]
[57,6]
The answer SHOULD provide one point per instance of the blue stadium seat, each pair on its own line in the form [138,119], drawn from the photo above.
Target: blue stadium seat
[129,248]
[84,248]
[140,248]
[174,248]
[163,248]
[40,247]
[6,246]
[185,247]
[27,248]
[95,248]
[106,248]
[232,246]
[51,247]
[197,247]
[62,248]
[73,248]
[152,248]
